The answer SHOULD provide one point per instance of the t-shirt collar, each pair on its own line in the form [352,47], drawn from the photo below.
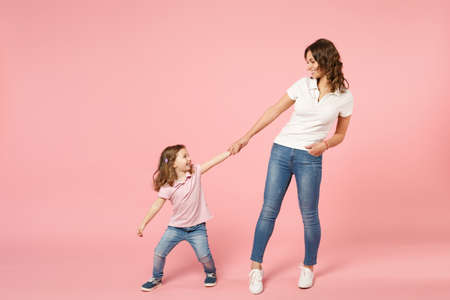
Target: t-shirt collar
[188,175]
[313,86]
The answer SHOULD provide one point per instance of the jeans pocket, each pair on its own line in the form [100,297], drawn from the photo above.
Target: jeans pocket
[201,226]
[313,160]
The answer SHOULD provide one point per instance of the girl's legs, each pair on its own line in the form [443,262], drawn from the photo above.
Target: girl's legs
[308,174]
[197,237]
[171,237]
[277,181]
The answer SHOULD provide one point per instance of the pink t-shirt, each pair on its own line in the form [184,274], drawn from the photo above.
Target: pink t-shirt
[189,206]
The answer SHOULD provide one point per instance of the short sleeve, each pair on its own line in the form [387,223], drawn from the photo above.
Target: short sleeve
[346,108]
[198,170]
[294,91]
[165,192]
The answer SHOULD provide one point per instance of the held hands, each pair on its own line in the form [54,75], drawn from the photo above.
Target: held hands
[141,230]
[317,149]
[238,145]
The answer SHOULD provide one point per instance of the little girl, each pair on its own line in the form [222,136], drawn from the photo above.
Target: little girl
[177,180]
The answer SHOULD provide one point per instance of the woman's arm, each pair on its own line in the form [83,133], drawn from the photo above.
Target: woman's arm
[318,148]
[269,115]
[156,206]
[216,160]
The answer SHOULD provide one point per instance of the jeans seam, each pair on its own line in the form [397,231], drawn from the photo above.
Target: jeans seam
[291,160]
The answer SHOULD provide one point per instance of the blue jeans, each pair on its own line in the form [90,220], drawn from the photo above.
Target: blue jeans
[285,161]
[196,236]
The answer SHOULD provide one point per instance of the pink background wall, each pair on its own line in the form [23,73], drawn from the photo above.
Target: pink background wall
[92,91]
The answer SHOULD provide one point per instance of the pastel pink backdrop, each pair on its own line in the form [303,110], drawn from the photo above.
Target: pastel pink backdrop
[92,91]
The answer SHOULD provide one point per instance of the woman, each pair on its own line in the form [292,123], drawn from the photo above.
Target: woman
[318,101]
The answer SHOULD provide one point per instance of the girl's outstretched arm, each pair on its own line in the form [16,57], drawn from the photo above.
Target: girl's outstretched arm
[156,206]
[216,160]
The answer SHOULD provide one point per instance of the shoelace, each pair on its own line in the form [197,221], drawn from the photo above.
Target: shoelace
[213,275]
[155,281]
[255,277]
[303,271]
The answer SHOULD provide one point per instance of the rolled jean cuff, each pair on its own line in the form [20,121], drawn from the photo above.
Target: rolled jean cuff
[256,259]
[310,262]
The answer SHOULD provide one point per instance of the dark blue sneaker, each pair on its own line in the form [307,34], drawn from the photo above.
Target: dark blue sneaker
[210,279]
[150,285]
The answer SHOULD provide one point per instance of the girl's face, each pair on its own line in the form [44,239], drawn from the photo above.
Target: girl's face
[183,161]
[313,66]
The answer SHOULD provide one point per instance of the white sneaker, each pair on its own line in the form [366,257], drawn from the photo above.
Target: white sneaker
[255,277]
[306,278]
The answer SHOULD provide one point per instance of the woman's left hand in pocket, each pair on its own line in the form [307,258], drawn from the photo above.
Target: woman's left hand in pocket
[316,149]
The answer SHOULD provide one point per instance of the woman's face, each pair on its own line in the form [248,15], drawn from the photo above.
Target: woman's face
[312,66]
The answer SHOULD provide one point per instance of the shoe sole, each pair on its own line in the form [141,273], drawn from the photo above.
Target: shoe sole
[305,287]
[148,290]
[257,293]
[210,284]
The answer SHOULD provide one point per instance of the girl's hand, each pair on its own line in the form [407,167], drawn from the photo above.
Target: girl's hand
[140,230]
[238,145]
[316,149]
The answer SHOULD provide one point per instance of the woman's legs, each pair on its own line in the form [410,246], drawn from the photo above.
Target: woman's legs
[277,181]
[308,174]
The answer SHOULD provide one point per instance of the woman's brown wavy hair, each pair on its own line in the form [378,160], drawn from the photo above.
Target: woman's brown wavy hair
[329,60]
[166,171]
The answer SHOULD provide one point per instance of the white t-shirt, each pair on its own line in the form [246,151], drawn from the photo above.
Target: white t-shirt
[312,120]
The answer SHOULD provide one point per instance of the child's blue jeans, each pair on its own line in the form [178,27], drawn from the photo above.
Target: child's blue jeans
[196,236]
[285,162]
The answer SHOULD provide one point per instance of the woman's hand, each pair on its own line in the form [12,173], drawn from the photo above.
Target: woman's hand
[316,149]
[269,115]
[238,145]
[140,230]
